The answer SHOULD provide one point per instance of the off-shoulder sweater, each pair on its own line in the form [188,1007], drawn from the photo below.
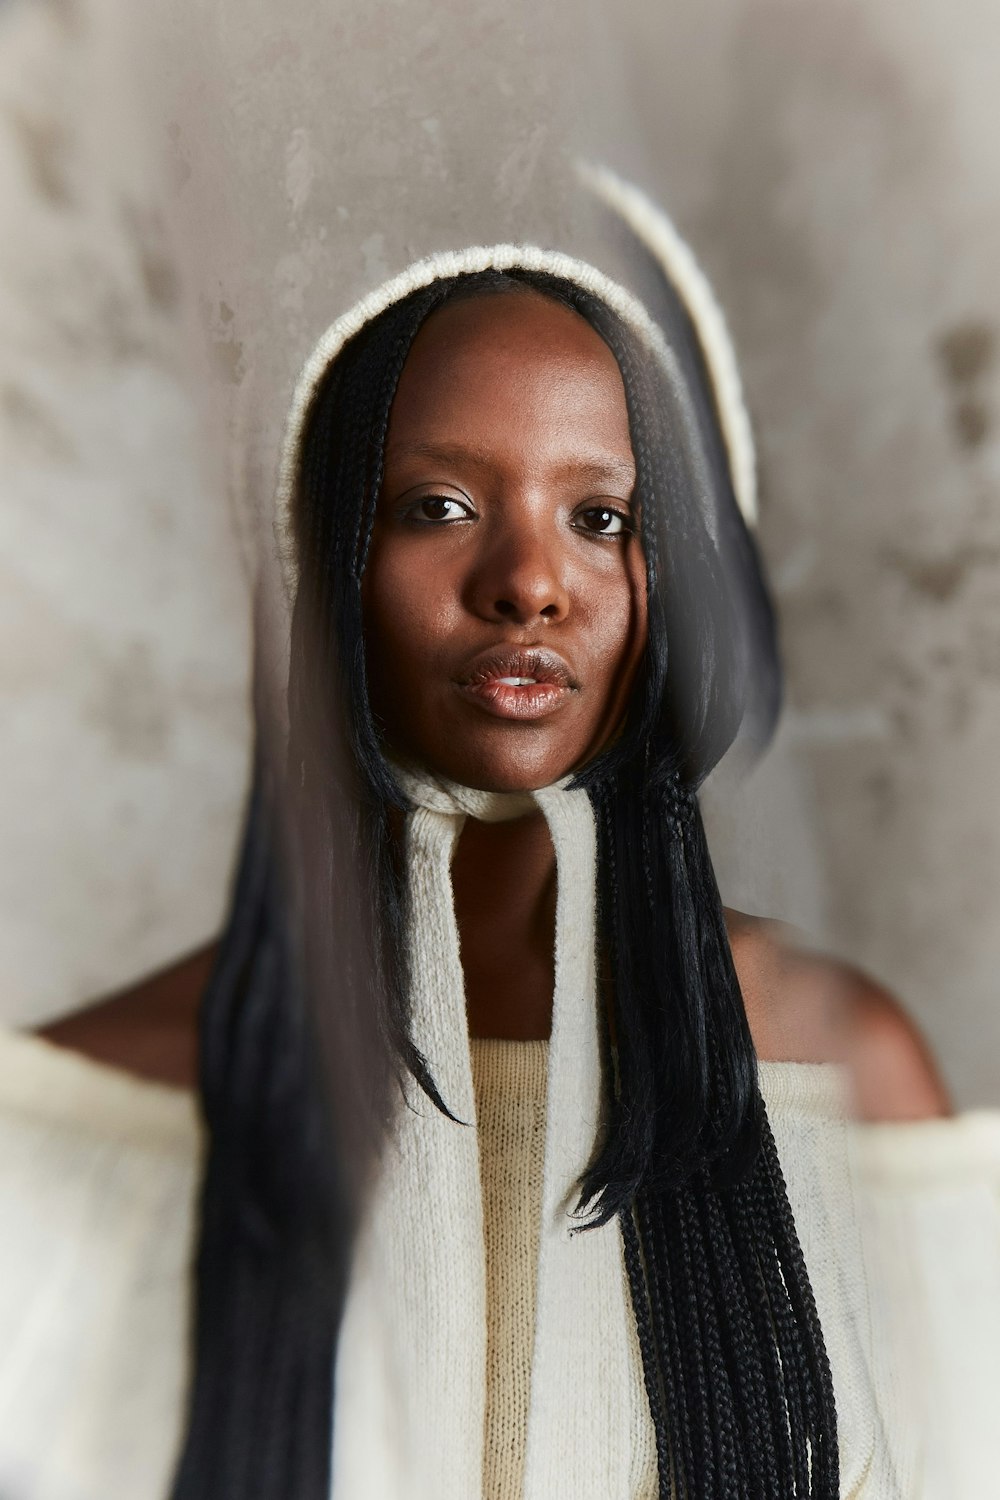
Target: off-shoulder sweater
[900,1227]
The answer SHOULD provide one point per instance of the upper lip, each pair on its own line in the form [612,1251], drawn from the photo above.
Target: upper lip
[537,662]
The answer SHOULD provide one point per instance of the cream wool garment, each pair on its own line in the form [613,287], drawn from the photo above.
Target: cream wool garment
[98,1182]
[419,1278]
[510,1081]
[899,1226]
[98,1174]
[411,1410]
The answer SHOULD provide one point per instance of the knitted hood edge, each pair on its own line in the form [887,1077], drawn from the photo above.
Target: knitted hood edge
[653,229]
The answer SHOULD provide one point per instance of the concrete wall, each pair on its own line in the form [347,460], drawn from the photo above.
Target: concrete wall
[124,637]
[837,165]
[835,168]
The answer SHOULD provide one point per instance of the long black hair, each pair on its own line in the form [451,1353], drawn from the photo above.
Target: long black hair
[735,1368]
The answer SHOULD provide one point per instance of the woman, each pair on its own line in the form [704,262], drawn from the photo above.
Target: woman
[516,557]
[527,622]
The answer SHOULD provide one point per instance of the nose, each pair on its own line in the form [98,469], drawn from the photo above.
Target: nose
[520,578]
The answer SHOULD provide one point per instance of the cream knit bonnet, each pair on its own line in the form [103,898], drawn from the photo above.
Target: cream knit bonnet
[654,233]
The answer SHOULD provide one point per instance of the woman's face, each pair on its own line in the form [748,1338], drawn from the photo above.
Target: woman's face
[505,589]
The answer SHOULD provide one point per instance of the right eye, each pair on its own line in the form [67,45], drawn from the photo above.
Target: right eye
[438,508]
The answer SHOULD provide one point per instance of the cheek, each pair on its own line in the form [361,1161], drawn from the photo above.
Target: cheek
[407,609]
[640,604]
[618,615]
[620,631]
[397,602]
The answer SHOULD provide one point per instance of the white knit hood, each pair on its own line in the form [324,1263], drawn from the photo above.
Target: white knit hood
[610,208]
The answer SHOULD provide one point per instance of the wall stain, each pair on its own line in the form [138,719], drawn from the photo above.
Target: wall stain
[940,578]
[34,423]
[967,351]
[225,349]
[972,422]
[227,358]
[45,146]
[160,280]
[130,706]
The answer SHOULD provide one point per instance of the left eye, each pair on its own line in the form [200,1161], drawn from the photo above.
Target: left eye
[439,508]
[601,520]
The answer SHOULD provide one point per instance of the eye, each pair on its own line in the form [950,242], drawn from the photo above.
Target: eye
[434,509]
[603,520]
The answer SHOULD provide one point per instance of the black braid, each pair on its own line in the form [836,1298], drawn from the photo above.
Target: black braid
[743,1360]
[678,1436]
[735,1369]
[638,1286]
[276,1207]
[758,1416]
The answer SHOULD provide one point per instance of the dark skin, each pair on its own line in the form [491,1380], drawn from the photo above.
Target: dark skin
[505,523]
[505,520]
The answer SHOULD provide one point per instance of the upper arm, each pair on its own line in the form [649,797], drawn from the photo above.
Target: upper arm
[893,1072]
[803,1007]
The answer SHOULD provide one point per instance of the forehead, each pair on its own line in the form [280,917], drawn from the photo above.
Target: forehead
[508,367]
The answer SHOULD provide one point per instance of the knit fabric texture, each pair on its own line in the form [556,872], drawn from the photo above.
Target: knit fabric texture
[899,1225]
[510,1080]
[419,1280]
[423,1281]
[98,1181]
[98,1177]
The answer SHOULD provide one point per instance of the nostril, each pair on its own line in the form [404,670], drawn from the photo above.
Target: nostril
[505,608]
[550,611]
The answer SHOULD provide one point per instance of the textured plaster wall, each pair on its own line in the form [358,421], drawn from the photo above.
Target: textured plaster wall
[835,168]
[123,642]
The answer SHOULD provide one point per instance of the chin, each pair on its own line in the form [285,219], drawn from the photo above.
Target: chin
[519,767]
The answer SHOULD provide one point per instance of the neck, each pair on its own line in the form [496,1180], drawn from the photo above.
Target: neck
[504,880]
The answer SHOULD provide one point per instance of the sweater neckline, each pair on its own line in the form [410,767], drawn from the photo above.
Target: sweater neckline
[64,1088]
[815,1088]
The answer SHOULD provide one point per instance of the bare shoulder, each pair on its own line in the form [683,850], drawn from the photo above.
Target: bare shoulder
[805,1007]
[149,1030]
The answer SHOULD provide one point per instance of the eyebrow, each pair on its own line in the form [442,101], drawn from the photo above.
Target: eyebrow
[592,470]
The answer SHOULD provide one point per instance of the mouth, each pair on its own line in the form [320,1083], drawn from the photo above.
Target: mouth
[522,683]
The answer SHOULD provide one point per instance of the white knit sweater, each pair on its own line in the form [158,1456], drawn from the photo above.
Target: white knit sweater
[97,1178]
[903,1430]
[98,1173]
[487,1351]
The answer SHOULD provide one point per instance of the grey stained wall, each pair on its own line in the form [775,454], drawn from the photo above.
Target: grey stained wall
[835,168]
[123,645]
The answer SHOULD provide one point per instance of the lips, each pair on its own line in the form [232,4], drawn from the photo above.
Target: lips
[518,682]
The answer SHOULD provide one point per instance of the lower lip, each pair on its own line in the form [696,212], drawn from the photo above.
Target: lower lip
[534,700]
